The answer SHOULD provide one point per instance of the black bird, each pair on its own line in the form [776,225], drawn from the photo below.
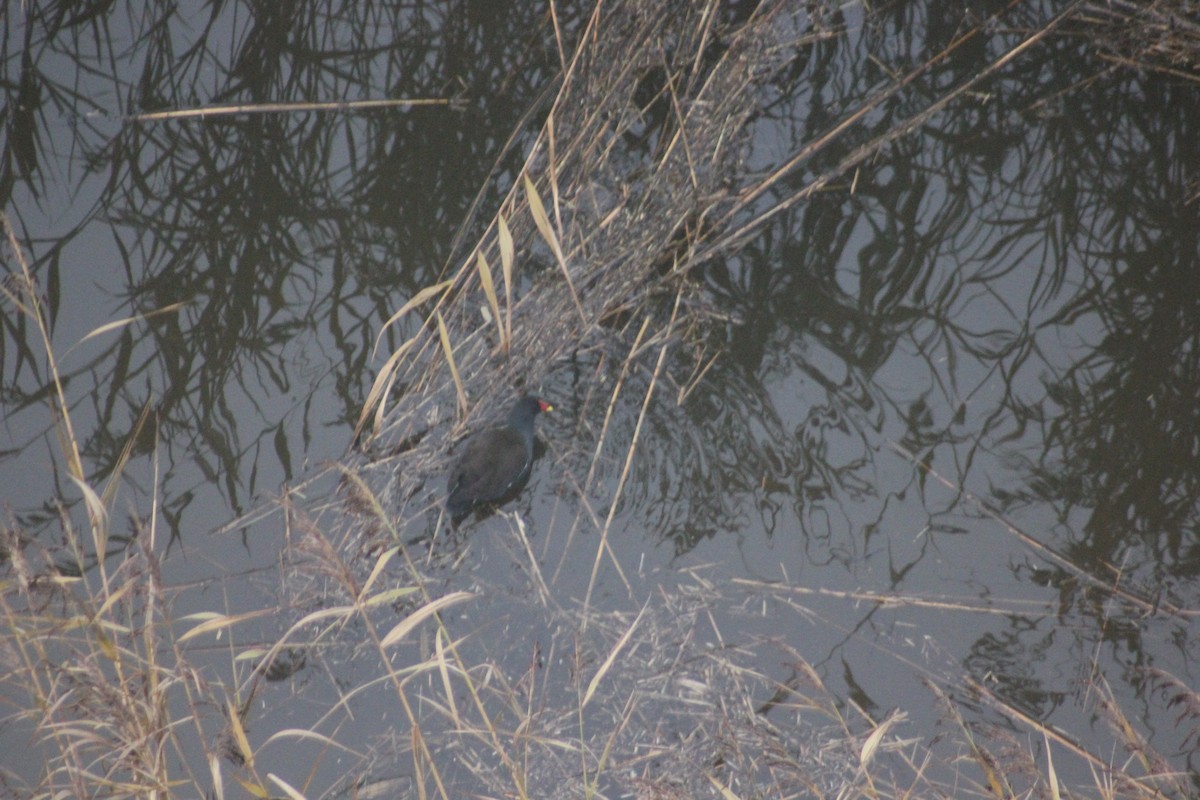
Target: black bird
[495,461]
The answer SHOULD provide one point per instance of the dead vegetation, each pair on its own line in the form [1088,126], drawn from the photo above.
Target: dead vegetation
[586,263]
[1163,36]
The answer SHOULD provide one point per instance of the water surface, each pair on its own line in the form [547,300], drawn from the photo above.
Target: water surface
[962,374]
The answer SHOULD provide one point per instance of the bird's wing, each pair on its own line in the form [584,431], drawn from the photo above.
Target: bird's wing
[489,465]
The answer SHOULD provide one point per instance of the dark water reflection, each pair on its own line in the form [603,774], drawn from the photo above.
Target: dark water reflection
[1010,293]
[1012,296]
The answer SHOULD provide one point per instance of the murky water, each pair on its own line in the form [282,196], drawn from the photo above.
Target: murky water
[963,374]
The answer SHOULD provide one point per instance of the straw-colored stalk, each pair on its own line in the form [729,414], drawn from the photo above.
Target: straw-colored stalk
[31,306]
[489,291]
[546,229]
[386,378]
[235,109]
[444,336]
[507,257]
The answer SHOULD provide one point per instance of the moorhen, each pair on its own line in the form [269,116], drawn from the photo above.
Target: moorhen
[495,460]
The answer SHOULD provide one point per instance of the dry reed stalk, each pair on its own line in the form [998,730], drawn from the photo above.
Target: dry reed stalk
[862,153]
[489,291]
[96,657]
[1163,36]
[31,306]
[1144,604]
[1155,767]
[375,401]
[607,237]
[578,131]
[995,779]
[448,351]
[1158,778]
[548,234]
[991,606]
[507,261]
[440,663]
[342,106]
[534,569]
[554,318]
[612,509]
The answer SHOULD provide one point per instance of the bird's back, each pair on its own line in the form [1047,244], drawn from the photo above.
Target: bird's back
[492,462]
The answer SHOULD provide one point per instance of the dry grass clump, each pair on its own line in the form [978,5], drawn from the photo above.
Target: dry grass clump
[545,700]
[587,239]
[594,244]
[1161,35]
[90,668]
